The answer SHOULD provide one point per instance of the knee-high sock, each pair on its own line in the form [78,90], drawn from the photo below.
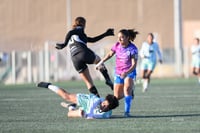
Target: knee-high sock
[53,88]
[127,103]
[104,72]
[109,82]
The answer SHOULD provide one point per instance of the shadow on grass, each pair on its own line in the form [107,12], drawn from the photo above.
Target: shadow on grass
[155,116]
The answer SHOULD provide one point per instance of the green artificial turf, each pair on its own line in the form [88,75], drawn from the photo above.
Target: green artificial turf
[169,106]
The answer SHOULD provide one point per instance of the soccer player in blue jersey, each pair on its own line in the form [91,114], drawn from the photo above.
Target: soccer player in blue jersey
[90,105]
[148,53]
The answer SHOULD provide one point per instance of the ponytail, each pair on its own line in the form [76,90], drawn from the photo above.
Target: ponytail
[132,34]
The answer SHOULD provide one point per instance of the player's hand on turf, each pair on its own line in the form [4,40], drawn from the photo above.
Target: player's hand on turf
[109,32]
[59,46]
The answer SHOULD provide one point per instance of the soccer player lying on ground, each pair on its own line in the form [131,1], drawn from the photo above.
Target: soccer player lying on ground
[90,105]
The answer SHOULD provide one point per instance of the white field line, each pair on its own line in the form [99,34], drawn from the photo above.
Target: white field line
[26,99]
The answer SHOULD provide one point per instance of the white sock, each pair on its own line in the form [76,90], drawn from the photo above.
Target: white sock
[145,85]
[53,88]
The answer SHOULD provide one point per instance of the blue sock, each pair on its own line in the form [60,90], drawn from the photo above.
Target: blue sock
[127,104]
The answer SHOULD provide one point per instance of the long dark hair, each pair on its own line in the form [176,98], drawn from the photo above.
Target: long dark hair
[131,33]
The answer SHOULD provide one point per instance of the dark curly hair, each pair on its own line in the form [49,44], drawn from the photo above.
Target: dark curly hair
[113,103]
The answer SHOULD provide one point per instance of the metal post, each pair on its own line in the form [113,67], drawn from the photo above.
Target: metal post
[178,38]
[29,70]
[186,63]
[46,61]
[69,24]
[55,69]
[13,68]
[41,66]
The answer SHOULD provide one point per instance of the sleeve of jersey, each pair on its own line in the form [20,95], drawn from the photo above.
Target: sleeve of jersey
[114,47]
[67,38]
[97,38]
[159,53]
[134,53]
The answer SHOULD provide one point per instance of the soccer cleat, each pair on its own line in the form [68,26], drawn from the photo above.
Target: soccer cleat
[110,84]
[144,89]
[43,84]
[126,114]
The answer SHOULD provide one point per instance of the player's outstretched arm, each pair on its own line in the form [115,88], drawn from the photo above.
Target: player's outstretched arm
[109,32]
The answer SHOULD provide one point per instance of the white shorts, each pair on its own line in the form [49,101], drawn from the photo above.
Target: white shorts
[148,65]
[196,63]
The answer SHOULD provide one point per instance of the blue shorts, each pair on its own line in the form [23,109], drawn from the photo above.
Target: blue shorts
[119,80]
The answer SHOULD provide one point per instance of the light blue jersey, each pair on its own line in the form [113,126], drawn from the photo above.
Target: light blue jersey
[149,54]
[90,103]
[195,49]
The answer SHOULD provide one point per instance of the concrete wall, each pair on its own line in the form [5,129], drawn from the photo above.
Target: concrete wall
[27,24]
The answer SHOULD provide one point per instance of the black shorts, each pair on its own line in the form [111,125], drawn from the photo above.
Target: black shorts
[81,59]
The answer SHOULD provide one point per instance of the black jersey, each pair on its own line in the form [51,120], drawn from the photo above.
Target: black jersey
[77,40]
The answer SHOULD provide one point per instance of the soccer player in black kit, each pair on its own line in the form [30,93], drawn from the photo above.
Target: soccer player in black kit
[81,55]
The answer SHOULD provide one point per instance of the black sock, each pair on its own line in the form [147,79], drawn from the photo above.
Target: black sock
[104,72]
[109,82]
[94,91]
[133,95]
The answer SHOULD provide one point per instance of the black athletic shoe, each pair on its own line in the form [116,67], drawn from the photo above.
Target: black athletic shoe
[127,115]
[43,84]
[110,84]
